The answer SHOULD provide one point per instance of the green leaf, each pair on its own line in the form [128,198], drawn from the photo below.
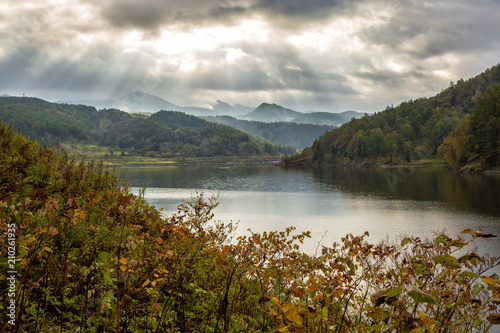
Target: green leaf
[421,297]
[469,274]
[394,291]
[378,314]
[405,241]
[22,251]
[103,256]
[324,312]
[419,270]
[447,261]
[385,295]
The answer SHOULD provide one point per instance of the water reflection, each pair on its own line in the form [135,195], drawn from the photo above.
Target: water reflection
[475,193]
[479,194]
[332,202]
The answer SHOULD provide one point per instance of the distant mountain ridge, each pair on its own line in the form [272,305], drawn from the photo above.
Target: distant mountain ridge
[276,113]
[139,101]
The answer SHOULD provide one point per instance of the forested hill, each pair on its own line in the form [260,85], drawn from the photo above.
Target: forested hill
[475,144]
[164,134]
[414,129]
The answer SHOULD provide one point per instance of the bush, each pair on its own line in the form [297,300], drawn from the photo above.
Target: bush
[94,258]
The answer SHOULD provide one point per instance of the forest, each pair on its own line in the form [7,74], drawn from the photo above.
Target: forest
[88,256]
[283,133]
[166,134]
[414,131]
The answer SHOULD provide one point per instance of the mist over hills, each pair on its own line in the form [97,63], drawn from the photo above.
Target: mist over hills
[143,102]
[277,113]
[283,133]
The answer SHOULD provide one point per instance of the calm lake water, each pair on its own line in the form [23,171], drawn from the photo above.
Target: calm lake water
[388,203]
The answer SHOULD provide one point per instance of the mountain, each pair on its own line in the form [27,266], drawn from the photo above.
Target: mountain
[271,113]
[276,113]
[143,102]
[283,133]
[223,108]
[413,130]
[163,134]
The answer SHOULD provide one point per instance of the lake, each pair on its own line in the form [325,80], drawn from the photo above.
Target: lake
[331,202]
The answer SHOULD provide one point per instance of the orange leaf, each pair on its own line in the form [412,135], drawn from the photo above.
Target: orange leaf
[313,287]
[146,283]
[123,261]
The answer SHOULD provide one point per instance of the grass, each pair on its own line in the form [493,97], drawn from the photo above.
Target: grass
[98,153]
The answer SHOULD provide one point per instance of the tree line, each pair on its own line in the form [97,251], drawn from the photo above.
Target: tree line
[414,130]
[163,134]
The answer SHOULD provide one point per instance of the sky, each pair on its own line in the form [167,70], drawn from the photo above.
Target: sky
[322,55]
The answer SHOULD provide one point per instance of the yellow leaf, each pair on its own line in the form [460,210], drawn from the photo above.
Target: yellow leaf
[123,261]
[286,307]
[153,283]
[170,254]
[494,284]
[123,268]
[283,329]
[159,241]
[146,283]
[295,317]
[275,301]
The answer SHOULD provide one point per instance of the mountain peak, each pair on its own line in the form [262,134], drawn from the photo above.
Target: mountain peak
[271,113]
[142,101]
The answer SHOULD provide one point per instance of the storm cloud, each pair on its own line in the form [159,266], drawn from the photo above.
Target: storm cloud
[321,54]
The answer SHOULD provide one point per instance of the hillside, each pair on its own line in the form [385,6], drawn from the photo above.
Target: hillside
[163,134]
[410,132]
[276,113]
[82,254]
[475,144]
[283,133]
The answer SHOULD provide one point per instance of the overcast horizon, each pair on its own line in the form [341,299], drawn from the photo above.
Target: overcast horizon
[323,55]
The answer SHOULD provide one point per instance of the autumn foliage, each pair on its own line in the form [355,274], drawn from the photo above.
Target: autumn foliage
[94,258]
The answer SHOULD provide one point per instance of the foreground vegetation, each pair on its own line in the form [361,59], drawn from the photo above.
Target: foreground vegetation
[414,130]
[91,257]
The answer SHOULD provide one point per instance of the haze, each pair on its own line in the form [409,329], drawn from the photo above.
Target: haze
[307,55]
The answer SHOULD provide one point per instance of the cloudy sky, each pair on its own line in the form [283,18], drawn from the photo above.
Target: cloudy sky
[329,55]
